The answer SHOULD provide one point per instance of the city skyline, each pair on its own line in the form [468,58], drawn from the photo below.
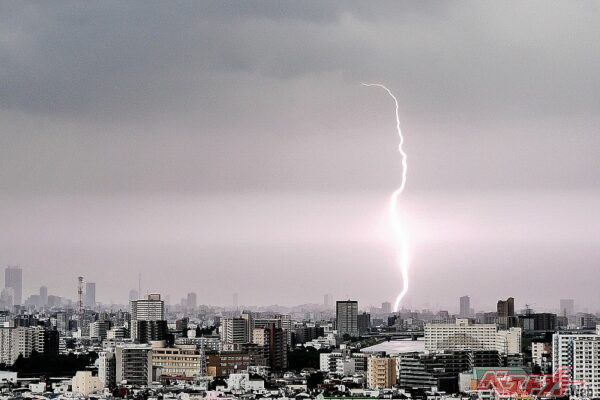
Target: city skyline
[173,147]
[190,301]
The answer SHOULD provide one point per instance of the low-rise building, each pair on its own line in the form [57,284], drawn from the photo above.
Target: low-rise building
[85,383]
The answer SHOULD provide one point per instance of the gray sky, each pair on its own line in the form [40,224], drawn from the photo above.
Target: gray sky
[224,147]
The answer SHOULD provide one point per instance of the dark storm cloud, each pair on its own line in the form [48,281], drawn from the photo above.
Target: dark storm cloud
[74,57]
[265,95]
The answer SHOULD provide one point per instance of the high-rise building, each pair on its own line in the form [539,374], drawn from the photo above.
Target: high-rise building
[506,313]
[567,307]
[90,295]
[506,308]
[274,340]
[191,301]
[148,319]
[381,372]
[13,279]
[386,307]
[465,307]
[538,322]
[44,295]
[107,369]
[62,322]
[327,300]
[364,322]
[346,316]
[15,341]
[235,331]
[99,329]
[580,353]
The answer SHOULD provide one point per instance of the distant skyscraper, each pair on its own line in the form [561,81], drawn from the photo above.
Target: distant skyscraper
[346,314]
[506,308]
[327,300]
[506,313]
[364,322]
[567,307]
[192,301]
[386,307]
[235,301]
[133,295]
[44,295]
[13,278]
[90,295]
[465,306]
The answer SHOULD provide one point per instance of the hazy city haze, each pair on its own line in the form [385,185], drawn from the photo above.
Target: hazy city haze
[223,147]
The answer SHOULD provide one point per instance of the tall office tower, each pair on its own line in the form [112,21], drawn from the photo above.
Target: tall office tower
[235,331]
[346,316]
[506,308]
[192,301]
[235,301]
[90,295]
[364,322]
[581,354]
[148,319]
[327,300]
[567,307]
[506,313]
[386,307]
[465,306]
[44,295]
[133,295]
[13,279]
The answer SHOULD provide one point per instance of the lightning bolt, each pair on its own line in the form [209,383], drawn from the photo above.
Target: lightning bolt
[399,233]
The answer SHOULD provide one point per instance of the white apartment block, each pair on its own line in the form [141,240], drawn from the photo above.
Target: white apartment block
[509,341]
[580,353]
[7,345]
[150,309]
[464,335]
[20,340]
[343,363]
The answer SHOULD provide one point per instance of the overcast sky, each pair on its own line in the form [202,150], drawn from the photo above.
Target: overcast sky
[223,147]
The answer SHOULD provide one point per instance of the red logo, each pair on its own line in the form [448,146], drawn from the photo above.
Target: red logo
[550,386]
